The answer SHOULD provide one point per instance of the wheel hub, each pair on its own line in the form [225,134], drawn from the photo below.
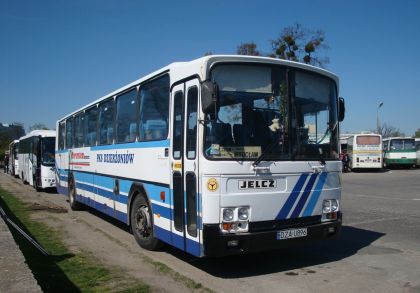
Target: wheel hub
[143,225]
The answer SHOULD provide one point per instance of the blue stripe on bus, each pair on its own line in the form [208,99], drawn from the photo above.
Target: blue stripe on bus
[132,145]
[304,197]
[314,199]
[292,197]
[176,240]
[162,211]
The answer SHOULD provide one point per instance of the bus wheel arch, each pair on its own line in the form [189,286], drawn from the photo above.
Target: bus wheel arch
[140,218]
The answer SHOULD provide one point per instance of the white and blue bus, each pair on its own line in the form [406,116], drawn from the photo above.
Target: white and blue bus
[13,158]
[220,155]
[36,159]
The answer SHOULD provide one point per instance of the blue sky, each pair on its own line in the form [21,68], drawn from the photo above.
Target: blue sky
[56,56]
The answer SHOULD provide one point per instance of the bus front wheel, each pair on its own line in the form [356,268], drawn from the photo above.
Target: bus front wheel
[74,205]
[142,224]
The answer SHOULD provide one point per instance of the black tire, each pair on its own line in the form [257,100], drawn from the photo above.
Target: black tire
[142,224]
[36,185]
[74,205]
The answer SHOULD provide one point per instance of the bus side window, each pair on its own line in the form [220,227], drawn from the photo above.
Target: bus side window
[154,109]
[78,130]
[91,123]
[69,133]
[61,135]
[106,122]
[126,120]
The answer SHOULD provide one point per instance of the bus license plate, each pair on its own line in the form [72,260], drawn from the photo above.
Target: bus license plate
[292,233]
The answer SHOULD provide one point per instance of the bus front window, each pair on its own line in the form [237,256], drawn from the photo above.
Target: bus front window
[47,151]
[314,119]
[254,116]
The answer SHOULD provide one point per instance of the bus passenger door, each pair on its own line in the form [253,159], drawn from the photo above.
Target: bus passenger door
[192,222]
[184,161]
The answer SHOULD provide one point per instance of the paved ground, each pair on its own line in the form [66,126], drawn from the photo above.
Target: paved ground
[379,250]
[15,276]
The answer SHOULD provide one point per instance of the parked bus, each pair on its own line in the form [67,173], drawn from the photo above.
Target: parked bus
[365,151]
[399,151]
[13,159]
[418,151]
[220,155]
[36,159]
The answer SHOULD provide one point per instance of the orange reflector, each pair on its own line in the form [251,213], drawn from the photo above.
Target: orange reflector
[332,216]
[227,226]
[162,196]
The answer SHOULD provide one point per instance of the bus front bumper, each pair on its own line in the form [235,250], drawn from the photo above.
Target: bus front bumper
[219,244]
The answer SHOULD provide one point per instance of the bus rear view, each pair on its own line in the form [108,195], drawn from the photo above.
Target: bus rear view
[365,151]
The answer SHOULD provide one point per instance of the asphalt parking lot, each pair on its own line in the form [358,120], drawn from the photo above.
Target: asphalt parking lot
[378,251]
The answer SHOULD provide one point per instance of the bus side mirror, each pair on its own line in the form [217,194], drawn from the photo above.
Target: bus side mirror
[341,109]
[210,98]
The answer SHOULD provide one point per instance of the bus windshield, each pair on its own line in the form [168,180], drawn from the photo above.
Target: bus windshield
[403,144]
[47,151]
[264,110]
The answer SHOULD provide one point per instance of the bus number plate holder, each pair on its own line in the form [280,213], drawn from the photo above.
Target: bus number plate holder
[292,233]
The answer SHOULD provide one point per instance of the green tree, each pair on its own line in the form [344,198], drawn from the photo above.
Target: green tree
[417,133]
[248,49]
[299,44]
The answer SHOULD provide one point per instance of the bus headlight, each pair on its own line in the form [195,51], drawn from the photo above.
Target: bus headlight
[243,214]
[329,206]
[228,214]
[326,206]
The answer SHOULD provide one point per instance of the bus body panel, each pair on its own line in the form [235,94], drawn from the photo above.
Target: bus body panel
[105,175]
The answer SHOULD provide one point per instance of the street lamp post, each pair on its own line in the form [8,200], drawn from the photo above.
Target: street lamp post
[378,125]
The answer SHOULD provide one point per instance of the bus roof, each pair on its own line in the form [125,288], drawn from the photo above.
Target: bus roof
[201,67]
[42,133]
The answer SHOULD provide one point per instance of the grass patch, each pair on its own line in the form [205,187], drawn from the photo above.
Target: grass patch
[61,271]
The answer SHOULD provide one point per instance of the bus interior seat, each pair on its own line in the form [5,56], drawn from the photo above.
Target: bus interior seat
[110,135]
[241,134]
[132,132]
[223,133]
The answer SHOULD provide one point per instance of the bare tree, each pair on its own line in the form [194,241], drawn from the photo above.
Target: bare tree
[390,131]
[248,49]
[37,126]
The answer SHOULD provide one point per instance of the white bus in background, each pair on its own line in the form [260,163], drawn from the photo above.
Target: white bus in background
[399,151]
[36,159]
[13,158]
[418,151]
[205,155]
[365,151]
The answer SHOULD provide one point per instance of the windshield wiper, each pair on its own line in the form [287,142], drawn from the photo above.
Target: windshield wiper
[264,153]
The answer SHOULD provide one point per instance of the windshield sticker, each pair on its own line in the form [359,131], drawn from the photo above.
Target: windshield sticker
[215,149]
[247,152]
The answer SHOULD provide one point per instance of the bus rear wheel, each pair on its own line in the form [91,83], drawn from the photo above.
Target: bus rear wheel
[142,224]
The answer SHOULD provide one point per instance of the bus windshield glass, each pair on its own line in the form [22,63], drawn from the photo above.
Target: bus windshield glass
[262,110]
[47,151]
[368,140]
[402,145]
